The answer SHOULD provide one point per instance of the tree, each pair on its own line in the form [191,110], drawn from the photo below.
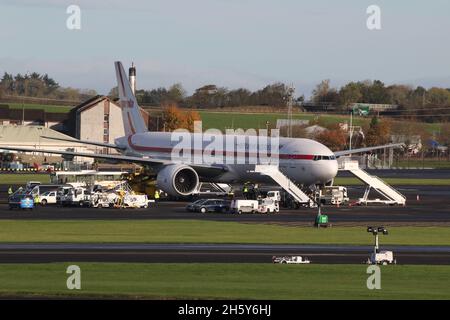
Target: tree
[378,132]
[335,139]
[176,93]
[438,96]
[190,117]
[350,93]
[323,92]
[174,118]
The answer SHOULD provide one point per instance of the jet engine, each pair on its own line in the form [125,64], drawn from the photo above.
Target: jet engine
[177,180]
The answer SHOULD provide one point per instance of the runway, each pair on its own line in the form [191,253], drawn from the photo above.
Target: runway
[433,208]
[213,253]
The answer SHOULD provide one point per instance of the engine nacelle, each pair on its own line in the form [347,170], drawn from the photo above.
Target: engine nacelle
[177,180]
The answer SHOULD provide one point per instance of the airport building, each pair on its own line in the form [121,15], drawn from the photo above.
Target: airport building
[98,119]
[31,137]
[37,117]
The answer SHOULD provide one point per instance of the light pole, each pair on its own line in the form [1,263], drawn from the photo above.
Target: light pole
[376,231]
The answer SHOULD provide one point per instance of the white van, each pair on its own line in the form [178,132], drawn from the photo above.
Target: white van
[244,206]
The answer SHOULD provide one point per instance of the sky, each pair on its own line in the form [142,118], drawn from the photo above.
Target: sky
[230,43]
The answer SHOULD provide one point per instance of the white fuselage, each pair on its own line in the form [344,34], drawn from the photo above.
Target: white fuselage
[304,161]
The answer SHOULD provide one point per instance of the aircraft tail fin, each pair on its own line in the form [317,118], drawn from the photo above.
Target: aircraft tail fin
[131,112]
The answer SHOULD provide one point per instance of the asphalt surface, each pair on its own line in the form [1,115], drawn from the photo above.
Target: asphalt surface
[214,253]
[432,208]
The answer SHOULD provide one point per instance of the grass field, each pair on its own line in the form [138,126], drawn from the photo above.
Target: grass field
[23,178]
[225,281]
[224,120]
[227,120]
[195,231]
[47,108]
[428,163]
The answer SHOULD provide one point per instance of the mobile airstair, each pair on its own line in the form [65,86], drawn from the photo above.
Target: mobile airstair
[289,186]
[391,195]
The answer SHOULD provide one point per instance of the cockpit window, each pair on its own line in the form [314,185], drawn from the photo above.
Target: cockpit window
[317,158]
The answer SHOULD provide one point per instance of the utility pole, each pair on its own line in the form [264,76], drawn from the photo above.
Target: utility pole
[351,130]
[289,105]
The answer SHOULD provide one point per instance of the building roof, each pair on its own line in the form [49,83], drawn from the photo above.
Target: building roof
[90,103]
[11,134]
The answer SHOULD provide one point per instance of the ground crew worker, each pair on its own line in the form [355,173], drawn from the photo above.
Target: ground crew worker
[156,195]
[36,199]
[10,191]
[245,191]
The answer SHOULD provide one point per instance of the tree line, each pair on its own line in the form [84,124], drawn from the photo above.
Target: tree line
[212,96]
[38,85]
[412,102]
[428,105]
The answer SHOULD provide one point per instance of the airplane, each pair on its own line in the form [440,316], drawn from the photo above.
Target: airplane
[304,161]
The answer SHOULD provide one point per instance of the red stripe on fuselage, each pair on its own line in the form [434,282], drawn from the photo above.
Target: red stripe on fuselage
[224,153]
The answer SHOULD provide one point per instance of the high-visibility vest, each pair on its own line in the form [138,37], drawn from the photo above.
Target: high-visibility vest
[10,191]
[156,194]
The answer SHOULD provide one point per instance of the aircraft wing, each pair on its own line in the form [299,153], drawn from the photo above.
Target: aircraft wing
[203,170]
[113,157]
[360,150]
[99,144]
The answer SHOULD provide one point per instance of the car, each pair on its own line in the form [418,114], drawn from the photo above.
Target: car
[21,200]
[192,207]
[212,205]
[48,197]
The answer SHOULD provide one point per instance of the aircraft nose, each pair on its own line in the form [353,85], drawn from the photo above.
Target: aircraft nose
[329,170]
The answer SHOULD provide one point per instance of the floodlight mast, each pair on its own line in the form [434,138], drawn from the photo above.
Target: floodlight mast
[375,231]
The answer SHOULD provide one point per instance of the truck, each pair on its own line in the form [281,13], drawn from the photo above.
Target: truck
[275,195]
[333,195]
[63,194]
[244,206]
[78,197]
[268,205]
[290,260]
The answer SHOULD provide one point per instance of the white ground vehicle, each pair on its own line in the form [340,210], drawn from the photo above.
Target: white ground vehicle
[333,195]
[382,257]
[290,260]
[268,205]
[79,197]
[62,195]
[135,201]
[48,197]
[103,199]
[244,206]
[274,195]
